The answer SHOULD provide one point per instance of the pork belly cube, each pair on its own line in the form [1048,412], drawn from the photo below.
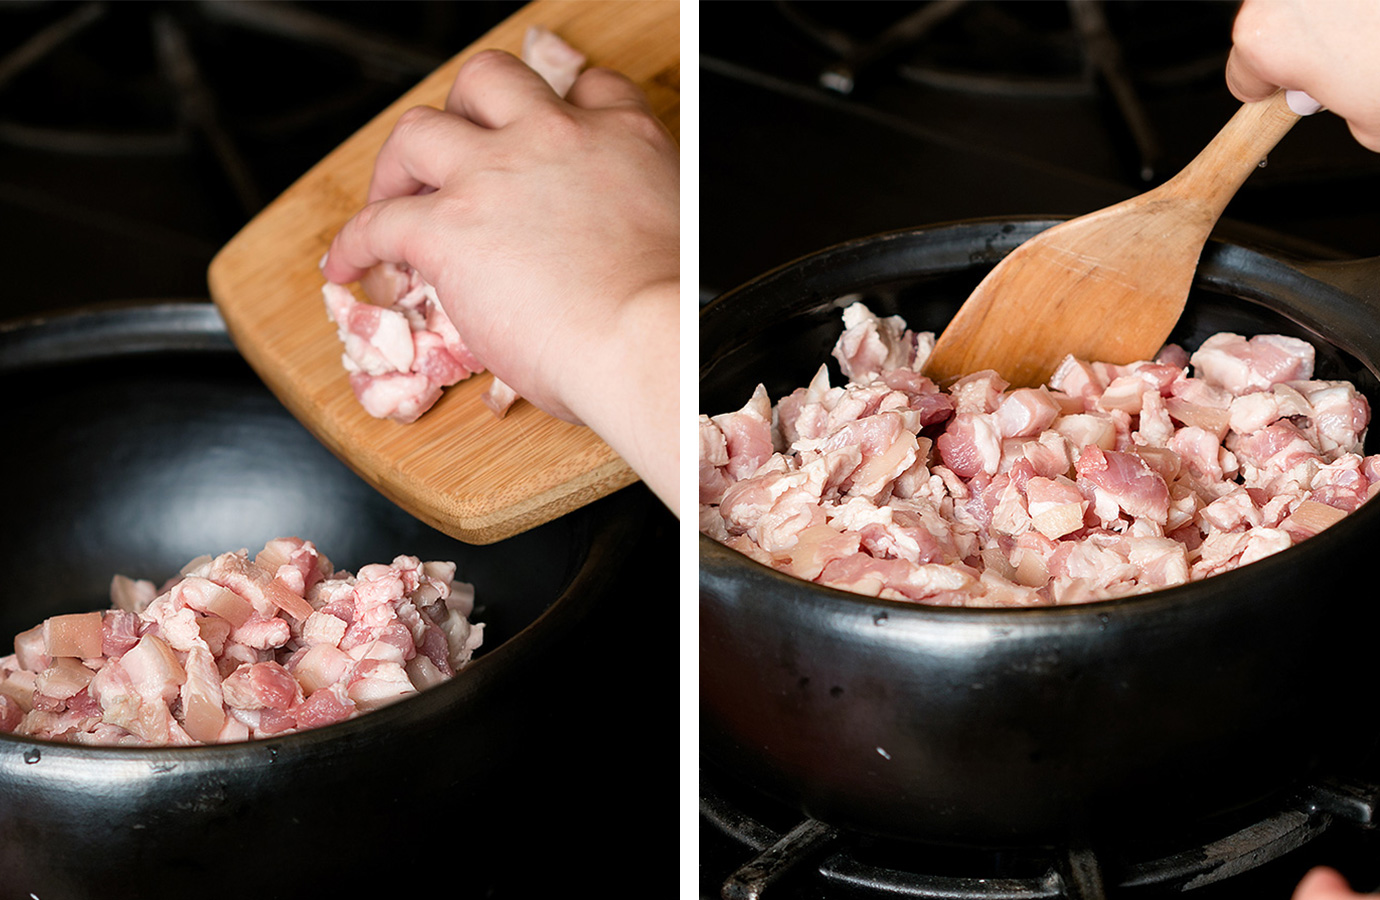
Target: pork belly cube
[870,344]
[119,632]
[747,435]
[1127,479]
[1026,412]
[64,679]
[980,392]
[971,444]
[1211,419]
[1309,518]
[77,635]
[1088,429]
[153,669]
[131,595]
[264,685]
[17,684]
[206,596]
[1077,379]
[323,628]
[321,666]
[30,650]
[203,715]
[1056,506]
[323,707]
[377,683]
[1238,365]
[11,714]
[214,631]
[400,396]
[262,632]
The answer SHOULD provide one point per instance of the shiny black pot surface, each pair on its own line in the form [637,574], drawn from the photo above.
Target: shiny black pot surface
[137,439]
[1103,722]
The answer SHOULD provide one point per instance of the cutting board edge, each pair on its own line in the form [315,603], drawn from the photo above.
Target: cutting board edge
[452,515]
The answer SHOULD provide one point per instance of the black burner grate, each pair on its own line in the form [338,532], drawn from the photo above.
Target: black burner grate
[137,138]
[783,856]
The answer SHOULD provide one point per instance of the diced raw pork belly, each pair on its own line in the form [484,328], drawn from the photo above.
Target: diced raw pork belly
[871,345]
[1240,366]
[401,350]
[1111,480]
[234,649]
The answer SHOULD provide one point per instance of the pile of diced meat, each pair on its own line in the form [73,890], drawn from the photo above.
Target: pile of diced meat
[1111,480]
[234,648]
[400,349]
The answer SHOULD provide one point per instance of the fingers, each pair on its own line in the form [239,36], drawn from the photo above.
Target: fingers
[380,232]
[418,152]
[1365,136]
[494,88]
[1323,883]
[604,88]
[1243,81]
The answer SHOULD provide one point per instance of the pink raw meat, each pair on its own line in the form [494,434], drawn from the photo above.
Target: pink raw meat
[233,649]
[1111,480]
[400,349]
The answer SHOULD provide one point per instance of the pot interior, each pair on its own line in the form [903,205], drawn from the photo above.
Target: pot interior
[778,329]
[137,462]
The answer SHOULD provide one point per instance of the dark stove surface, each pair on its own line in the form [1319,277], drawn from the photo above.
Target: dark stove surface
[999,110]
[751,845]
[994,113]
[137,138]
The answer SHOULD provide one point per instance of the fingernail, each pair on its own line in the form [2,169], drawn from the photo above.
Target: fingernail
[325,256]
[1301,103]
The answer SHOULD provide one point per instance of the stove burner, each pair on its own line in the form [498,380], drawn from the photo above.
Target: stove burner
[178,104]
[810,856]
[1021,50]
[137,138]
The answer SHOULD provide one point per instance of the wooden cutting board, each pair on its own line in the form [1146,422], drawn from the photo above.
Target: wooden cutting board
[467,473]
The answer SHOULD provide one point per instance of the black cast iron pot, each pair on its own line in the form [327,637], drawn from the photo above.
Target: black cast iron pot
[137,439]
[1099,723]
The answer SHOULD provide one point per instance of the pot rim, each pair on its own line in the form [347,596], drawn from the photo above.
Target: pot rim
[129,328]
[717,560]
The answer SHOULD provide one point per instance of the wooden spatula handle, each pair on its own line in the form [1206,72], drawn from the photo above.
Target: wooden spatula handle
[1215,174]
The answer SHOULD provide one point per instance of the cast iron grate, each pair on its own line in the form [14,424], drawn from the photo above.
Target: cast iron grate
[1045,51]
[811,858]
[137,138]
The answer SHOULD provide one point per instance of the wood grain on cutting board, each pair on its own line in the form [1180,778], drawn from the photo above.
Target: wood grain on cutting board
[459,468]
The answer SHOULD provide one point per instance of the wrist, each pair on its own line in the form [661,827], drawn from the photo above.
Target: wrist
[628,391]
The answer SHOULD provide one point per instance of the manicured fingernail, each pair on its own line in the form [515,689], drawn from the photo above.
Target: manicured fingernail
[1301,103]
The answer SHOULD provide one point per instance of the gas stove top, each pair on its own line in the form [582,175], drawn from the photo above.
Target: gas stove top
[824,122]
[751,846]
[998,109]
[137,138]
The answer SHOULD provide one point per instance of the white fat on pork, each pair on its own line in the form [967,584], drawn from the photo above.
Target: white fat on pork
[1111,480]
[401,350]
[234,648]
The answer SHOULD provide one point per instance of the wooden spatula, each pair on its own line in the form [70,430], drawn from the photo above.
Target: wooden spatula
[1109,285]
[473,476]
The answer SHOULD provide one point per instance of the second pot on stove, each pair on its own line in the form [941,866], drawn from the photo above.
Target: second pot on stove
[981,726]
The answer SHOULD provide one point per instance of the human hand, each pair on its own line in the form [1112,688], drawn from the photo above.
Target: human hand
[1323,883]
[1324,49]
[550,231]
